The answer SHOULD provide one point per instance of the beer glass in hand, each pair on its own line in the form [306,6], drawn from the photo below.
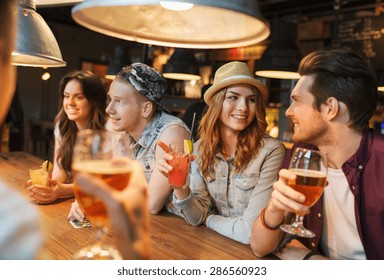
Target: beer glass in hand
[311,173]
[97,153]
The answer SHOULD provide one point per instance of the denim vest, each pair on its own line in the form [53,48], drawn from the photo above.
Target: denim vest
[144,149]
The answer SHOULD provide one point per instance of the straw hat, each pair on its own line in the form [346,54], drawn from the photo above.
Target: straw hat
[233,73]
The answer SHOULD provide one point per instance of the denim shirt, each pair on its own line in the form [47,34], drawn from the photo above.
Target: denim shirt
[144,149]
[228,201]
[364,173]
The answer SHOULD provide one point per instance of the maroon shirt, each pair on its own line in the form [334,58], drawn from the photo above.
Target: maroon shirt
[365,175]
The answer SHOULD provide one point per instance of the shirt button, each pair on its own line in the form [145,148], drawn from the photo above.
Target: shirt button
[313,245]
[360,167]
[244,183]
[353,188]
[319,215]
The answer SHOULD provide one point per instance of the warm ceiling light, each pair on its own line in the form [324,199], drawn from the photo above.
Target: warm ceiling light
[209,24]
[278,74]
[282,56]
[35,43]
[380,88]
[176,6]
[46,3]
[45,76]
[182,65]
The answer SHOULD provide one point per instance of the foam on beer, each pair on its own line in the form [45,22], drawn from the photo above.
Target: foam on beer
[309,173]
[102,166]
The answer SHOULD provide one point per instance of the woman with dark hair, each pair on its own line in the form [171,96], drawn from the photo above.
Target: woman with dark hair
[82,104]
[236,161]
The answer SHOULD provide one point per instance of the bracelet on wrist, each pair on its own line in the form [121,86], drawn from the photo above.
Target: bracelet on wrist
[310,254]
[267,226]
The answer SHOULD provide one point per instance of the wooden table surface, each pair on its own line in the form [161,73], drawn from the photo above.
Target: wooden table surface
[172,237]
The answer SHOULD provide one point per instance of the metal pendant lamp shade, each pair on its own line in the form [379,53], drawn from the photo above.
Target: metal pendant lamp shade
[36,45]
[49,3]
[281,58]
[209,24]
[119,60]
[182,65]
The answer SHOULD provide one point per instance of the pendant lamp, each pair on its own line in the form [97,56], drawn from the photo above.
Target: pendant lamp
[182,65]
[380,81]
[203,24]
[119,60]
[35,43]
[282,56]
[49,3]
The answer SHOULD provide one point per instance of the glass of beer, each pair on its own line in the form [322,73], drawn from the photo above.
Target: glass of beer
[97,153]
[311,173]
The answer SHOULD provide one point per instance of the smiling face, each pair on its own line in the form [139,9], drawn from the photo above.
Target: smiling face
[76,106]
[238,109]
[309,124]
[124,110]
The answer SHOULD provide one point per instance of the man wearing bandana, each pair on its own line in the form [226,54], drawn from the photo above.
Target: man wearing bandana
[135,109]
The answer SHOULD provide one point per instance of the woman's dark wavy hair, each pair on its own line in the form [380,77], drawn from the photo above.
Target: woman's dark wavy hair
[94,91]
[249,140]
[345,76]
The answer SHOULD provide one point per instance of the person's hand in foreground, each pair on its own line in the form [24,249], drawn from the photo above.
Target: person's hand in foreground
[127,211]
[76,213]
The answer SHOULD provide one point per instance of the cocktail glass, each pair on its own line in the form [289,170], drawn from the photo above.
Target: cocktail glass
[177,177]
[39,176]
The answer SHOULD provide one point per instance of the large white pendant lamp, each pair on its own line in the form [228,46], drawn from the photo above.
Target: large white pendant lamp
[209,24]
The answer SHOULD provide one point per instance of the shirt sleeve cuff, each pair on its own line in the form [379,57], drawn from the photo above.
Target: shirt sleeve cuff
[182,203]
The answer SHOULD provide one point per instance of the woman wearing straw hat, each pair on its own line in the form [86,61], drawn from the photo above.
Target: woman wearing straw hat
[236,161]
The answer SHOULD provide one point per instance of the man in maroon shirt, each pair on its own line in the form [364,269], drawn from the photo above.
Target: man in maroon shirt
[331,106]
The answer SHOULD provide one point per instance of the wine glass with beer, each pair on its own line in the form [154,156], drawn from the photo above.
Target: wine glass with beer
[97,153]
[311,173]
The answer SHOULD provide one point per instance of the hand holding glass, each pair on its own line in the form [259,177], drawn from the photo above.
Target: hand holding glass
[93,154]
[311,173]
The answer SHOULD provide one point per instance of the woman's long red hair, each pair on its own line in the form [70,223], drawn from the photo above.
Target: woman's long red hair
[249,140]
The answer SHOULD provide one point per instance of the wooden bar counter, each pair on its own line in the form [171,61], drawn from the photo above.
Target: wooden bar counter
[172,237]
